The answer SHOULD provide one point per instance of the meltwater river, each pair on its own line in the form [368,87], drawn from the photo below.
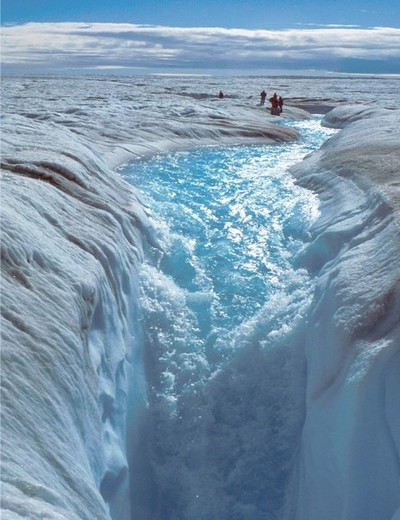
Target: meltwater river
[224,301]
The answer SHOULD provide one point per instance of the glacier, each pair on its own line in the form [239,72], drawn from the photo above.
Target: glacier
[74,235]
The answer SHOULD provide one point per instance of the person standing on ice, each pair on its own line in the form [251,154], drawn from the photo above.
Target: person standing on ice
[263,96]
[274,104]
[280,104]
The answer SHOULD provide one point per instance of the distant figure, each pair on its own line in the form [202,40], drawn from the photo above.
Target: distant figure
[274,104]
[221,95]
[263,96]
[280,103]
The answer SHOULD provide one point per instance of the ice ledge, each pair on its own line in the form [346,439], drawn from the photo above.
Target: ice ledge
[72,235]
[348,465]
[342,116]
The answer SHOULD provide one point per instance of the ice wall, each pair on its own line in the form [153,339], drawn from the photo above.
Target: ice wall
[71,243]
[349,462]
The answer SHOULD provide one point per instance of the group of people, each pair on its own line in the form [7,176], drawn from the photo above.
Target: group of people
[276,102]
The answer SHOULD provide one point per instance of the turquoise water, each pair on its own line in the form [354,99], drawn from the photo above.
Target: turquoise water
[232,221]
[223,305]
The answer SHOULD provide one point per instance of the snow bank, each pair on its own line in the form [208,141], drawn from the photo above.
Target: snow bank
[349,462]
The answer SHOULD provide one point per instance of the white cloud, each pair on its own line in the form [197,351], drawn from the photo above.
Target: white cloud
[61,46]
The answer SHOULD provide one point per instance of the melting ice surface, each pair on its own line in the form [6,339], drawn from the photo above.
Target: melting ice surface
[223,305]
[219,432]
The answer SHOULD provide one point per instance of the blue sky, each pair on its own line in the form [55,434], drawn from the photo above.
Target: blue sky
[246,14]
[140,35]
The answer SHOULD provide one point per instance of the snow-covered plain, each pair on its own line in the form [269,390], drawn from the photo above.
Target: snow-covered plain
[74,235]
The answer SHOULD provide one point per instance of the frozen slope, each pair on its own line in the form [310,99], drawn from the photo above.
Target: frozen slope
[349,465]
[71,244]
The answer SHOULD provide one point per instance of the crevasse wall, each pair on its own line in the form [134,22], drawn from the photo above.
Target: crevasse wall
[71,245]
[349,464]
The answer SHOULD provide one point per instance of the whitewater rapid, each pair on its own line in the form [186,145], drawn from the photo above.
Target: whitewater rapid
[220,300]
[74,235]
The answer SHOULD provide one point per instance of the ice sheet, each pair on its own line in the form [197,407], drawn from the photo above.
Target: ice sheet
[73,236]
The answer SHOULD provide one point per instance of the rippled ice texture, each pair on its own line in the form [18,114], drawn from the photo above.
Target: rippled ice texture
[74,235]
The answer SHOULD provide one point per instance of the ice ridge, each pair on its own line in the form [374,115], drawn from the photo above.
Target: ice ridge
[72,235]
[349,461]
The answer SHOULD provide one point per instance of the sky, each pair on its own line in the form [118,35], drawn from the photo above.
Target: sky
[139,36]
